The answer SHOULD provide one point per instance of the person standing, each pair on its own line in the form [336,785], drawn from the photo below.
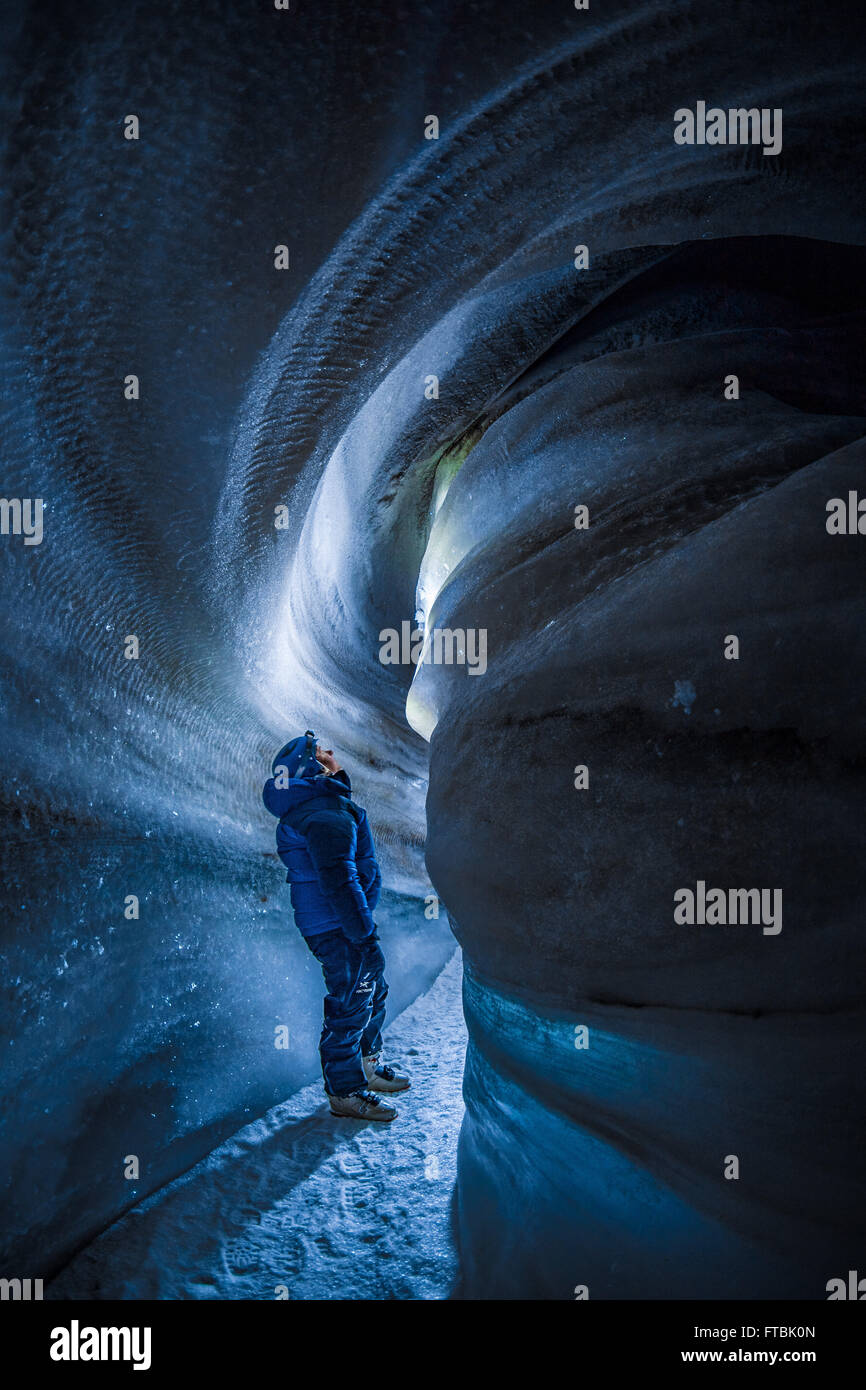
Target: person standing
[324,840]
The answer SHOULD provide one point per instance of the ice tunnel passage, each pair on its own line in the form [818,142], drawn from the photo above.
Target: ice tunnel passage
[557,387]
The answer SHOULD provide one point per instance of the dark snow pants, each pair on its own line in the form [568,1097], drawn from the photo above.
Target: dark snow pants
[354,974]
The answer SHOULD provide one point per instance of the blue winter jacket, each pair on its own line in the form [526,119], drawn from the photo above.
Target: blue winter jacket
[324,840]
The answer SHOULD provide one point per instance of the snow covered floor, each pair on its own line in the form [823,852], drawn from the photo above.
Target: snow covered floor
[330,1208]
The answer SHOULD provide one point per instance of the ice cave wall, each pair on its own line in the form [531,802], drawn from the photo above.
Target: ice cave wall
[557,387]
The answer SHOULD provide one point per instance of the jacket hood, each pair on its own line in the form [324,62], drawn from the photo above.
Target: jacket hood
[298,757]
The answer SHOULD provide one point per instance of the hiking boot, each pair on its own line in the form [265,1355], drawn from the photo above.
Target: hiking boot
[383,1078]
[361,1105]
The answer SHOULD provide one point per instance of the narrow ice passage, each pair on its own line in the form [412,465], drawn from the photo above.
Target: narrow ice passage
[410,419]
[328,1208]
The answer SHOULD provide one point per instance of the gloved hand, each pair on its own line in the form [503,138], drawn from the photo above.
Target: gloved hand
[362,941]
